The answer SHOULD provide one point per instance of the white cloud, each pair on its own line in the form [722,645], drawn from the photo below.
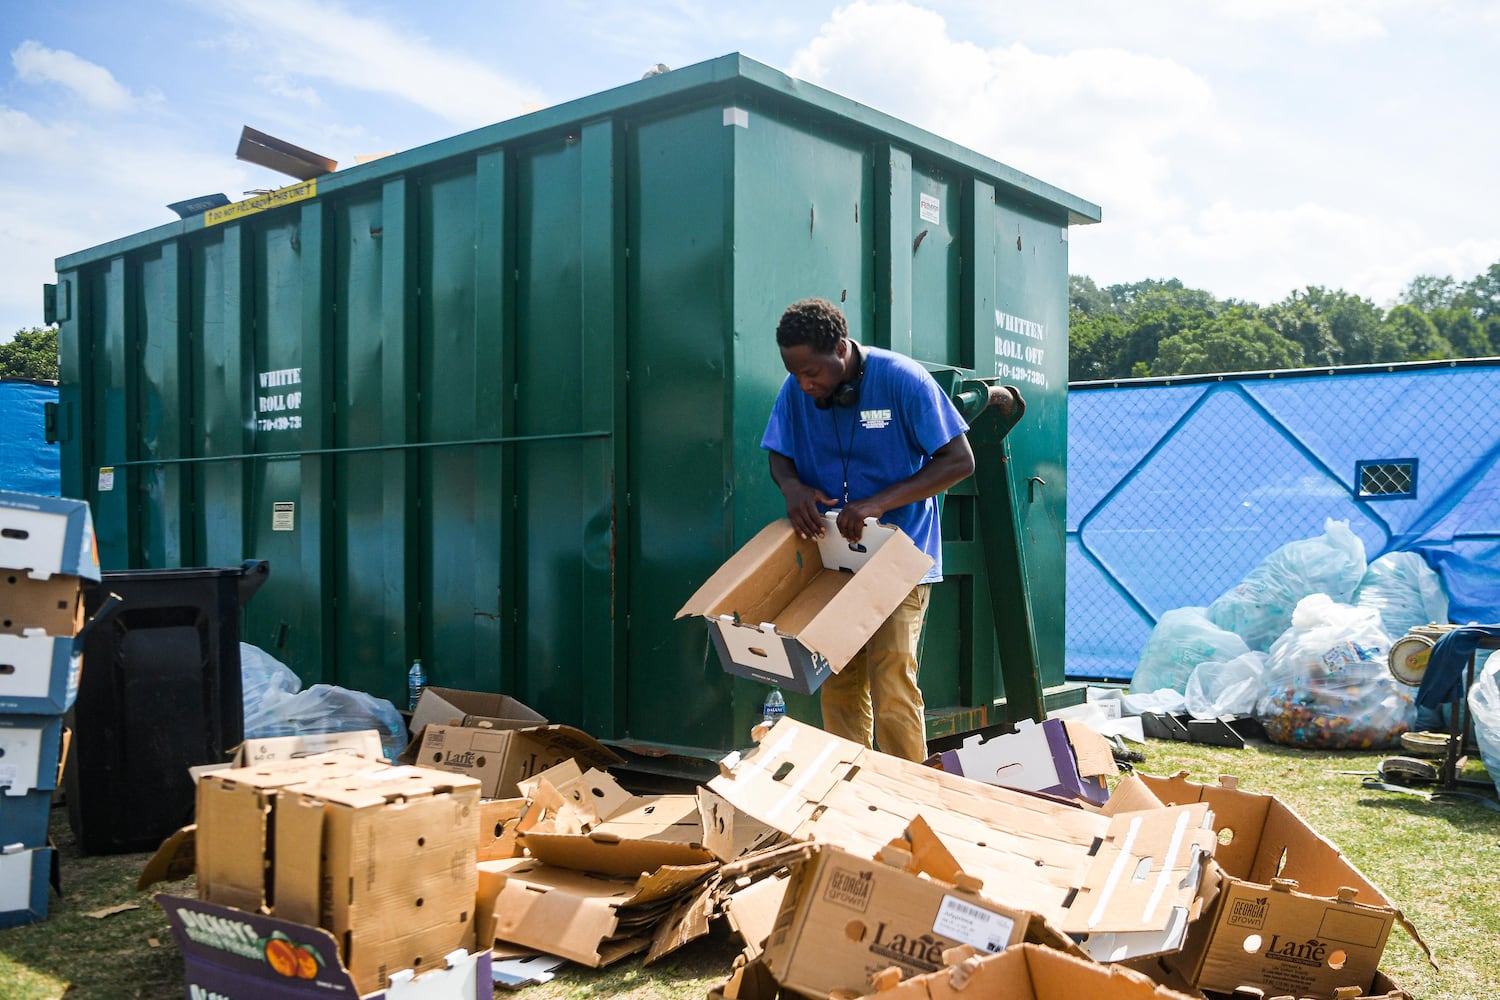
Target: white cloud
[35,63]
[1328,20]
[279,86]
[305,39]
[23,136]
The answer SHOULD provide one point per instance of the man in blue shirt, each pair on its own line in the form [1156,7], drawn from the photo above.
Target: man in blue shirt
[869,432]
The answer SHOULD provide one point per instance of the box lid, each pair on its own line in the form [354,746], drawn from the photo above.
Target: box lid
[47,535]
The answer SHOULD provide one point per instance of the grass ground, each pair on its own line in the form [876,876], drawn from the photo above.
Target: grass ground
[1437,860]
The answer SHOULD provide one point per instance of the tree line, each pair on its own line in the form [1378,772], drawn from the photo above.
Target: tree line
[1160,328]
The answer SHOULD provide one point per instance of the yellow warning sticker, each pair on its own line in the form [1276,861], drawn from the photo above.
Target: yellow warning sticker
[261,202]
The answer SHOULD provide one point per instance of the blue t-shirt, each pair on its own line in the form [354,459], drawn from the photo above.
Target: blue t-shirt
[901,418]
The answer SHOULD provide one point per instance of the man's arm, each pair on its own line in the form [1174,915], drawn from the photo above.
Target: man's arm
[801,500]
[950,464]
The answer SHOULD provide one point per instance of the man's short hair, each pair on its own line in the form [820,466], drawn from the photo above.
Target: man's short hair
[817,323]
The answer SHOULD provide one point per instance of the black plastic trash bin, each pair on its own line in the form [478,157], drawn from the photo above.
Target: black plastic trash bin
[159,693]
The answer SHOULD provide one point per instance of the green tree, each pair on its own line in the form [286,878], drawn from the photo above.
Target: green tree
[32,353]
[1086,297]
[1459,327]
[1406,334]
[1481,294]
[1428,292]
[1297,321]
[1238,341]
[1353,321]
[1094,344]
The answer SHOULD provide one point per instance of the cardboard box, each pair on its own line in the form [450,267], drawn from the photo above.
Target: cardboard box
[1031,972]
[1289,914]
[271,749]
[24,818]
[385,859]
[47,535]
[499,758]
[1062,758]
[38,674]
[23,884]
[590,919]
[30,750]
[845,918]
[591,824]
[728,832]
[789,611]
[1125,882]
[231,953]
[235,850]
[36,608]
[454,707]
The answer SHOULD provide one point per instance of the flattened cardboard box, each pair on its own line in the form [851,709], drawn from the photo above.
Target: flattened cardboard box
[385,859]
[359,743]
[1125,882]
[230,953]
[591,824]
[1290,914]
[456,707]
[1062,758]
[789,611]
[499,759]
[590,919]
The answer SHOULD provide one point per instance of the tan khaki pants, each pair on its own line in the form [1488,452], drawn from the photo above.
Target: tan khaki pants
[876,694]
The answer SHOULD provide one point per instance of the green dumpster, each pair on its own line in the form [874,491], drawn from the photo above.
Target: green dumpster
[496,402]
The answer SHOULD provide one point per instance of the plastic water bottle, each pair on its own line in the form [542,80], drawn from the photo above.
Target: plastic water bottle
[774,708]
[416,683]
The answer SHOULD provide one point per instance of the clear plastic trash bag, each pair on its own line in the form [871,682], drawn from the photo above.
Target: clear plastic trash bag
[1217,689]
[1405,590]
[1327,683]
[1260,608]
[1182,639]
[275,705]
[1484,706]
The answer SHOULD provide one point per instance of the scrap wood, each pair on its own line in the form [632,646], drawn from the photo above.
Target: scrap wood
[110,911]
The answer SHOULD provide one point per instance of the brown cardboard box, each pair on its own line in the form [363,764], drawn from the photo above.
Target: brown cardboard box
[1288,914]
[386,861]
[28,607]
[360,743]
[789,611]
[592,824]
[845,918]
[456,707]
[1126,882]
[499,759]
[1031,972]
[235,812]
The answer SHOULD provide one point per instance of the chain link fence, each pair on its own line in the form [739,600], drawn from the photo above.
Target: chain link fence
[1178,487]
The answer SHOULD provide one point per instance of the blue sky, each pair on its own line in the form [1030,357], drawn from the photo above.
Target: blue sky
[1248,147]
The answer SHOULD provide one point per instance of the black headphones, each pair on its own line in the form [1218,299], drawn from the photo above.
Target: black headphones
[847,393]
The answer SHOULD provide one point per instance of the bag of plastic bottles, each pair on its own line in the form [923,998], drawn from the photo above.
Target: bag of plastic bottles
[1215,689]
[1327,683]
[1406,592]
[1260,608]
[1182,639]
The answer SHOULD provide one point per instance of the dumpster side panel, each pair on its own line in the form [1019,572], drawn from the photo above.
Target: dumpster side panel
[805,218]
[459,486]
[680,469]
[278,512]
[1031,352]
[163,402]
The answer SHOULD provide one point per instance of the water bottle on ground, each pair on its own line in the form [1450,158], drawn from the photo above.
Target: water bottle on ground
[416,683]
[774,708]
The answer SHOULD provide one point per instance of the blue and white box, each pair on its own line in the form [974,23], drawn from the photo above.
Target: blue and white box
[30,746]
[38,674]
[45,536]
[23,884]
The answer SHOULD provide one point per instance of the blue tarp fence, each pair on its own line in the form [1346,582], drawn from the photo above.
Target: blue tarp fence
[28,464]
[1179,487]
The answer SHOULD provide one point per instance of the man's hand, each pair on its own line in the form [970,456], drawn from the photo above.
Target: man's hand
[852,518]
[802,508]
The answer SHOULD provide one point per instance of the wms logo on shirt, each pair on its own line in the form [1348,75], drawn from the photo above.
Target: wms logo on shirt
[873,420]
